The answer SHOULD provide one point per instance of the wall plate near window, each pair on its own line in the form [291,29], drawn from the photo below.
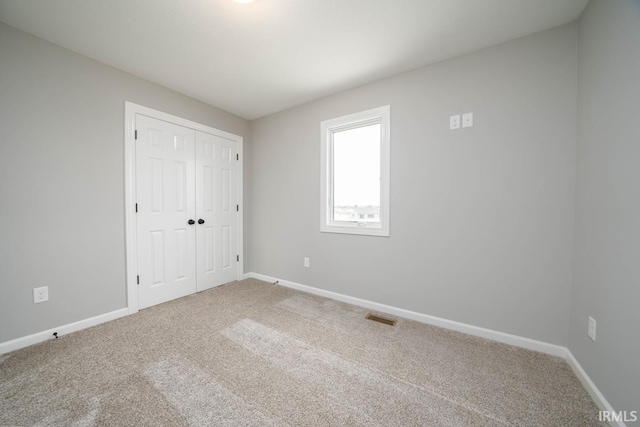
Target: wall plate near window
[355,173]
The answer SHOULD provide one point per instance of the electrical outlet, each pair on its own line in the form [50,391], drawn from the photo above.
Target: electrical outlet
[306,262]
[454,122]
[591,330]
[40,294]
[467,120]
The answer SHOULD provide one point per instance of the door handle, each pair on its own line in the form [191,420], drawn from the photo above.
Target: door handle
[191,222]
[201,221]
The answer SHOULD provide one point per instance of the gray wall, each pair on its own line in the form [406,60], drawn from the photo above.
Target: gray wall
[62,179]
[481,219]
[606,282]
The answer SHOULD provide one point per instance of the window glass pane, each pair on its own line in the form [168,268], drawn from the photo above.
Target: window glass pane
[356,174]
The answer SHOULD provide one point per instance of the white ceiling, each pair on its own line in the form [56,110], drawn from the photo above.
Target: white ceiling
[259,58]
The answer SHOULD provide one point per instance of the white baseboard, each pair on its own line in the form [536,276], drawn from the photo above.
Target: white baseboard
[540,346]
[590,386]
[502,337]
[22,342]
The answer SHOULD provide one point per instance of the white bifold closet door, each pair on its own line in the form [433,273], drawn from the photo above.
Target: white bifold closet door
[186,210]
[216,209]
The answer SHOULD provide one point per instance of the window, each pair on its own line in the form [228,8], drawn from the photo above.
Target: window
[355,173]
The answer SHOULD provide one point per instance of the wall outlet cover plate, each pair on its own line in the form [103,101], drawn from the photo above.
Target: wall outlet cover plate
[40,294]
[454,122]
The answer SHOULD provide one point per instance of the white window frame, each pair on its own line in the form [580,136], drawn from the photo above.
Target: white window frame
[381,115]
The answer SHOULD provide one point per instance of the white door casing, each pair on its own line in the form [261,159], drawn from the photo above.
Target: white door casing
[220,161]
[216,208]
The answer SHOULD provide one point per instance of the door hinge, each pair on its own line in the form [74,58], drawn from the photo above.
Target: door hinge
[237,156]
[136,134]
[138,279]
[136,208]
[237,208]
[238,258]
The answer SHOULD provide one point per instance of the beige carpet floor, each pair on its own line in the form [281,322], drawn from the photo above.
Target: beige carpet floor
[256,354]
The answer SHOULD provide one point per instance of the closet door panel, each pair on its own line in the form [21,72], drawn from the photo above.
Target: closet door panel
[165,194]
[216,208]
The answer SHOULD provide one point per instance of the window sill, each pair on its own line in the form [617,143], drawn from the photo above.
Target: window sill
[354,229]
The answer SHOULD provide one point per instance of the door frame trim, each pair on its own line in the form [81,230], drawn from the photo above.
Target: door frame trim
[130,226]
